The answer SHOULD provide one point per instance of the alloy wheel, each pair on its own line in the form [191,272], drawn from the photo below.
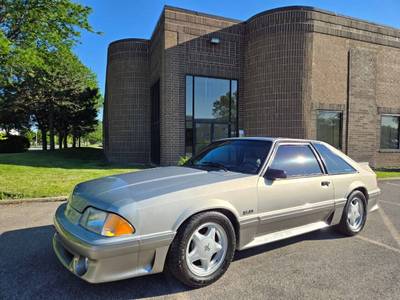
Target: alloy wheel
[206,249]
[355,214]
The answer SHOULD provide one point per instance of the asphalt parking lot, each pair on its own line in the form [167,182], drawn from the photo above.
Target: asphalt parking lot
[318,265]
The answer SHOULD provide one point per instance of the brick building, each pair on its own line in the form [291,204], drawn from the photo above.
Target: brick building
[295,72]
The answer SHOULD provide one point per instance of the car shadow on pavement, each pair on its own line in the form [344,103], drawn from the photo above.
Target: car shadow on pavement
[30,269]
[323,234]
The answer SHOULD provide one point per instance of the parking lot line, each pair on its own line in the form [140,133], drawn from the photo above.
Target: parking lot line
[377,243]
[389,225]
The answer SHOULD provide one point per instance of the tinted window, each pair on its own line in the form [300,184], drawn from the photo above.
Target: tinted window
[329,127]
[244,156]
[390,132]
[334,164]
[211,111]
[296,160]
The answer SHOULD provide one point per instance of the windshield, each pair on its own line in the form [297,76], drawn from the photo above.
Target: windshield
[244,156]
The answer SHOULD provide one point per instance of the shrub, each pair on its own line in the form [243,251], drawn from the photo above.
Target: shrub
[183,160]
[14,143]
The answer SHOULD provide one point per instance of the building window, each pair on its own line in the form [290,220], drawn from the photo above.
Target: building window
[329,127]
[211,111]
[390,132]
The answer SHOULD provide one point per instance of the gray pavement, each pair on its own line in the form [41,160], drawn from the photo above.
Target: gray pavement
[318,265]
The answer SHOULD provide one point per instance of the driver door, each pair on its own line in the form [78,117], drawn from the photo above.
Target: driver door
[305,196]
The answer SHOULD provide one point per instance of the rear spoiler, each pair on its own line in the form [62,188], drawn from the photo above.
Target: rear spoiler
[365,166]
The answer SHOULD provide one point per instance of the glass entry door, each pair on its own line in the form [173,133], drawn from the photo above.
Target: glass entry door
[211,111]
[207,132]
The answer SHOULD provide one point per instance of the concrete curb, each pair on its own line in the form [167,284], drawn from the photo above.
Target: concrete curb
[388,178]
[32,200]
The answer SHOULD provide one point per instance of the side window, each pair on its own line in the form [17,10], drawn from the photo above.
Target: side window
[296,160]
[334,164]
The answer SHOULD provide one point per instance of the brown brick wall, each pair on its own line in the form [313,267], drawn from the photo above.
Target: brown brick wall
[275,67]
[362,105]
[373,90]
[188,51]
[289,63]
[127,102]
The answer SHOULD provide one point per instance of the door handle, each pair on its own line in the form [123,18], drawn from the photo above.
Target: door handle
[325,183]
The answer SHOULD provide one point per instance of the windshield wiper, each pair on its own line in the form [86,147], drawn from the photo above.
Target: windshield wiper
[213,165]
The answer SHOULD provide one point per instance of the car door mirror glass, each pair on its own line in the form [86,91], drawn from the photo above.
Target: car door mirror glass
[273,174]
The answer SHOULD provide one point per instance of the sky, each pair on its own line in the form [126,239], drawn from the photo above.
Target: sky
[118,19]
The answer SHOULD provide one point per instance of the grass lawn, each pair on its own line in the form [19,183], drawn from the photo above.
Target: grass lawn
[43,173]
[388,173]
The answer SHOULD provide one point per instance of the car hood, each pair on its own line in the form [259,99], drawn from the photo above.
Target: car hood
[113,192]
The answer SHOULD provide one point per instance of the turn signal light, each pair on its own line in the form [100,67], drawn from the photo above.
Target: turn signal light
[114,225]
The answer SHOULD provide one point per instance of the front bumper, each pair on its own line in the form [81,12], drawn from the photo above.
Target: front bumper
[100,259]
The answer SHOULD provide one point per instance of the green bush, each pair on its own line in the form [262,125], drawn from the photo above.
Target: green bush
[183,160]
[14,144]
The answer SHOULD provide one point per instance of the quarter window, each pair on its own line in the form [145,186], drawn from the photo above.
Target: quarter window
[296,160]
[390,132]
[329,127]
[333,163]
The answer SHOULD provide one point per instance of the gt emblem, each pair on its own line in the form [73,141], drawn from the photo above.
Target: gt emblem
[207,248]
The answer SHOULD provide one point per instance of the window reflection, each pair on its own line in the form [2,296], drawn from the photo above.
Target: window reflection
[296,160]
[329,127]
[211,108]
[390,132]
[212,98]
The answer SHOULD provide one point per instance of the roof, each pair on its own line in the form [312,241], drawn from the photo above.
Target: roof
[378,28]
[271,139]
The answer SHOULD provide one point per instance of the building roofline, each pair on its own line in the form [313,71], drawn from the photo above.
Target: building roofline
[320,10]
[128,40]
[266,12]
[198,13]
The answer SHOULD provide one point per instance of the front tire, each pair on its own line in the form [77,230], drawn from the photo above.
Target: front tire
[354,214]
[202,249]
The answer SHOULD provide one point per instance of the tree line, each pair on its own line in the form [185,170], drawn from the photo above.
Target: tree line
[42,82]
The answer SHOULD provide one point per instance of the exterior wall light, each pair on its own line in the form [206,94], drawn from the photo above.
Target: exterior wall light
[215,40]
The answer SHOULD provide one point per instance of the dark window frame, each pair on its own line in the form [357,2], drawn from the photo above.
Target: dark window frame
[398,132]
[313,150]
[340,124]
[193,77]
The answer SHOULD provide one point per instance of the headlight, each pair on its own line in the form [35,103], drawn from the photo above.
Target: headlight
[104,223]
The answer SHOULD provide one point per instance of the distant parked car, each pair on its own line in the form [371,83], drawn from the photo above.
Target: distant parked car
[235,194]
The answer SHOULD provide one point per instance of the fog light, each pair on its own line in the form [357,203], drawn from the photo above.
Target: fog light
[80,265]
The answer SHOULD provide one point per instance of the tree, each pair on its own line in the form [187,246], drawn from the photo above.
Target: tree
[30,28]
[40,78]
[12,116]
[84,120]
[96,137]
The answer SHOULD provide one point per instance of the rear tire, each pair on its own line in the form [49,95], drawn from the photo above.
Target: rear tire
[202,250]
[354,214]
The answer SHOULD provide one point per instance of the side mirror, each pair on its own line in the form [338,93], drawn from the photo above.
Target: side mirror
[273,174]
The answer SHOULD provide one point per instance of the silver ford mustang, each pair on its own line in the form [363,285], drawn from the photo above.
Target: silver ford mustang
[235,194]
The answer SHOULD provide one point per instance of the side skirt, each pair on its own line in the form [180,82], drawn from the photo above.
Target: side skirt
[284,234]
